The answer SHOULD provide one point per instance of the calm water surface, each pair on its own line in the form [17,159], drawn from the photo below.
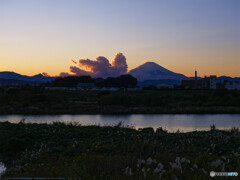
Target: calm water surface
[171,123]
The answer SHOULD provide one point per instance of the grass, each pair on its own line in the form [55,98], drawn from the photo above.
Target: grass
[36,100]
[94,152]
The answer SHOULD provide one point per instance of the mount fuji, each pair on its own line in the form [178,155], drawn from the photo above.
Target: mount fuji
[153,71]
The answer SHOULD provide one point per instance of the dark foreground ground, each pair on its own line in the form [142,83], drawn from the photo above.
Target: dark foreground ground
[36,100]
[93,152]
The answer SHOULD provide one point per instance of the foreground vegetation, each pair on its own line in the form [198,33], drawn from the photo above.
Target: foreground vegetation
[93,152]
[37,100]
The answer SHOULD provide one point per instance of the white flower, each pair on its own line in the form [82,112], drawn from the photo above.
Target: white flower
[185,160]
[128,171]
[218,163]
[144,172]
[140,162]
[236,154]
[149,161]
[223,157]
[176,166]
[2,168]
[160,175]
[159,168]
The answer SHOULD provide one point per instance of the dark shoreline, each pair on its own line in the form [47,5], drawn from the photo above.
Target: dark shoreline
[128,111]
[115,114]
[39,101]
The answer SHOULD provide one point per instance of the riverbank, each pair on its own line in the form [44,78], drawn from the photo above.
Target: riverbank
[37,100]
[93,152]
[115,110]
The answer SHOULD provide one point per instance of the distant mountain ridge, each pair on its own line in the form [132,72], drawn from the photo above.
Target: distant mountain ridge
[149,73]
[15,76]
[221,78]
[153,71]
[16,82]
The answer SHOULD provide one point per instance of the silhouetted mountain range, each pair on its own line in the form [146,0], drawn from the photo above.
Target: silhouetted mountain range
[220,79]
[8,77]
[149,73]
[13,82]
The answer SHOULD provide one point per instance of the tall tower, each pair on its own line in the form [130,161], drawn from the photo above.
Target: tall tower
[195,79]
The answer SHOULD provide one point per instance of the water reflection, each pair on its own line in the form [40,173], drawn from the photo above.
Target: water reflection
[171,123]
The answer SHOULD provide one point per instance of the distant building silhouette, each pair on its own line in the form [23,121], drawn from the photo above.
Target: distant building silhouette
[196,84]
[231,85]
[205,83]
[209,82]
[165,86]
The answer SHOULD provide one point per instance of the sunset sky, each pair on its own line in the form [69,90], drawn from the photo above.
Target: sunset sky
[181,35]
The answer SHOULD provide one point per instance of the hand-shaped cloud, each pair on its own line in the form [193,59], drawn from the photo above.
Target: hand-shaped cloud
[100,67]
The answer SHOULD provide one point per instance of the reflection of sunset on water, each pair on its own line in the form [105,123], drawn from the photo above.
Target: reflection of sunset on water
[172,123]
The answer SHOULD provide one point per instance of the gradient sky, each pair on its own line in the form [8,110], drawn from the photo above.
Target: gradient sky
[181,35]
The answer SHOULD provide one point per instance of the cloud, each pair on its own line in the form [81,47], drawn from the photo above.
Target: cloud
[120,64]
[101,67]
[78,72]
[74,61]
[45,74]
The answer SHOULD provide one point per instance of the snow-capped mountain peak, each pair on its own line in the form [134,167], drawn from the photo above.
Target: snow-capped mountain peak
[153,71]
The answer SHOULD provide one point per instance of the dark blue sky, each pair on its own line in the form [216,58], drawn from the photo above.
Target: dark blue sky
[181,35]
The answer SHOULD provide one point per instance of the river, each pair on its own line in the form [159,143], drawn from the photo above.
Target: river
[172,123]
